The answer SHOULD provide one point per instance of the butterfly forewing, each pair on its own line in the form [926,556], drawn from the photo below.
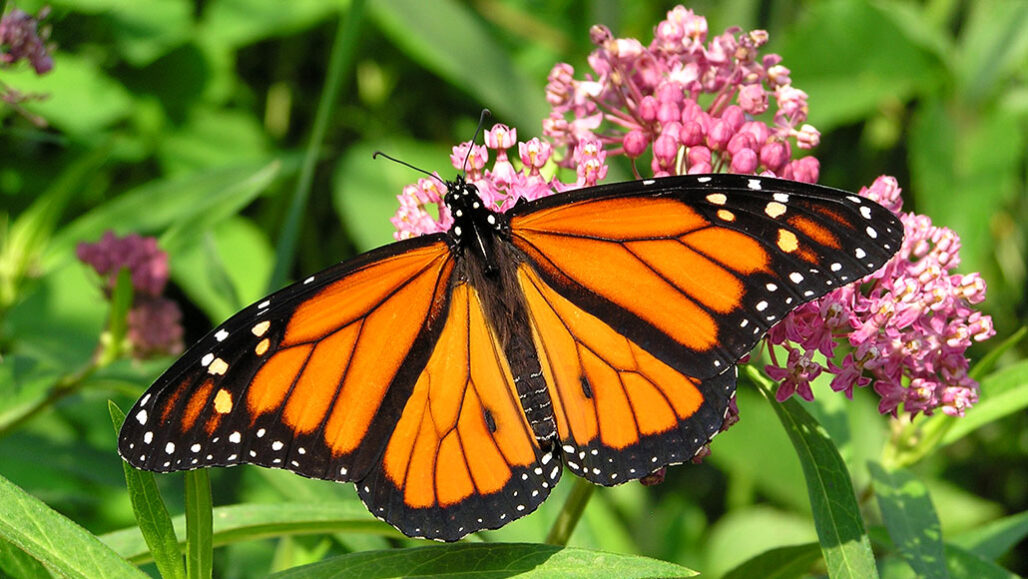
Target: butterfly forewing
[696,269]
[299,379]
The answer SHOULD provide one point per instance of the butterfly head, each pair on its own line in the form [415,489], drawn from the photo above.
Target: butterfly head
[471,217]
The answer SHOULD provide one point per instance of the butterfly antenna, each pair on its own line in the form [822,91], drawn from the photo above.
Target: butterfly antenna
[378,154]
[478,129]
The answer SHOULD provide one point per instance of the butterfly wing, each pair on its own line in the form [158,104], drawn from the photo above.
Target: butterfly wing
[463,456]
[643,297]
[311,379]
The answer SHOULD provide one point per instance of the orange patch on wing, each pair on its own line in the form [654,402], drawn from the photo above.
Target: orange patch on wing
[441,450]
[314,392]
[272,382]
[453,481]
[691,273]
[361,292]
[169,404]
[732,249]
[592,264]
[633,393]
[815,231]
[385,337]
[631,218]
[196,404]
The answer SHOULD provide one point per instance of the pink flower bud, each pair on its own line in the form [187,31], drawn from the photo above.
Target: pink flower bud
[635,143]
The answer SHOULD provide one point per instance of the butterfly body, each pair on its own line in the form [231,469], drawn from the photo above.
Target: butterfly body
[453,376]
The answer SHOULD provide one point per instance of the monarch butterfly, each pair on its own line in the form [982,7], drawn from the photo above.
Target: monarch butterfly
[451,376]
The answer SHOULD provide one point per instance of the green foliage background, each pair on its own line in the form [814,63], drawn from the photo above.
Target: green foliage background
[190,121]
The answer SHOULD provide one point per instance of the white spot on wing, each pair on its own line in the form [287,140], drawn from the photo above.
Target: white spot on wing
[169,448]
[753,184]
[649,182]
[221,335]
[235,437]
[141,416]
[207,359]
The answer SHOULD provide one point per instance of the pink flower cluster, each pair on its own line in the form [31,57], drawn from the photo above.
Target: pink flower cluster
[501,186]
[21,39]
[154,322]
[639,98]
[906,328]
[904,331]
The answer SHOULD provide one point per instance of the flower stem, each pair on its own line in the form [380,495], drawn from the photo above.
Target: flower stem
[568,517]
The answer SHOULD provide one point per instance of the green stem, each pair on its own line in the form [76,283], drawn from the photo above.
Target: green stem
[339,66]
[569,516]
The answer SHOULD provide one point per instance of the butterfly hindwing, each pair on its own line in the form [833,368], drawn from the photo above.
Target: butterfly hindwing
[462,456]
[309,379]
[696,269]
[620,412]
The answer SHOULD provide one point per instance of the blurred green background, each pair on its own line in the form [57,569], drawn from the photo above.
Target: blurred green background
[188,120]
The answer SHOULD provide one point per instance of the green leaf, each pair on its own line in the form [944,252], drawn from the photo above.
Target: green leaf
[82,100]
[25,381]
[994,539]
[483,560]
[365,189]
[237,23]
[993,47]
[224,269]
[249,522]
[828,55]
[161,203]
[212,137]
[470,59]
[910,517]
[54,540]
[218,207]
[965,165]
[199,525]
[151,513]
[844,542]
[783,562]
[1004,392]
[743,533]
[961,563]
[16,563]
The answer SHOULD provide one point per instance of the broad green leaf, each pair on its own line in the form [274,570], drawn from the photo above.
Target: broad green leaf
[472,561]
[56,541]
[840,528]
[143,31]
[1004,392]
[751,454]
[827,52]
[151,513]
[210,138]
[993,46]
[995,538]
[222,205]
[365,189]
[225,269]
[783,562]
[82,100]
[199,525]
[159,204]
[25,382]
[910,517]
[965,166]
[744,533]
[237,23]
[16,563]
[250,522]
[470,59]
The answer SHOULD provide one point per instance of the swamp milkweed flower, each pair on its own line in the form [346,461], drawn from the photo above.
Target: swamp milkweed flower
[695,105]
[154,321]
